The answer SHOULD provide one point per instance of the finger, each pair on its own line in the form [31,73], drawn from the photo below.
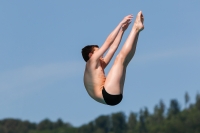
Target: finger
[130,16]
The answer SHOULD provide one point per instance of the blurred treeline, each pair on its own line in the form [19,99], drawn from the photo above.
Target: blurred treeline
[163,120]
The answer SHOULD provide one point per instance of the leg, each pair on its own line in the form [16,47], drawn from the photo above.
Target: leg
[116,77]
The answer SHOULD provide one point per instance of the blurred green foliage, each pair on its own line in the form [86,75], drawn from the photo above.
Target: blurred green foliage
[163,120]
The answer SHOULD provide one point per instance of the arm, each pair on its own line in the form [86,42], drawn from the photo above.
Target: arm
[115,44]
[110,39]
[113,48]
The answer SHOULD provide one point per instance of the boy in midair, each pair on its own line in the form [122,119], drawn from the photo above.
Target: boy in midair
[109,90]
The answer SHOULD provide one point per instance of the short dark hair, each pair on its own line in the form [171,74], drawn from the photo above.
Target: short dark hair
[86,50]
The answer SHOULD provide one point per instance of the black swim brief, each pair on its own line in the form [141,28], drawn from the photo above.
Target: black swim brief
[111,99]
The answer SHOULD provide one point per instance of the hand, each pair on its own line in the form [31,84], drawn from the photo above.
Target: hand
[127,19]
[125,26]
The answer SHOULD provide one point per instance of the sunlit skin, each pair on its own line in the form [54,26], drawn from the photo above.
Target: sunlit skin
[94,75]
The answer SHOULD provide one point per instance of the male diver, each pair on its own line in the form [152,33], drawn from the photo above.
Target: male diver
[109,90]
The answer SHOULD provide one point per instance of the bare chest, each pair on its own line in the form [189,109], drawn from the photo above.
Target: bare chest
[94,78]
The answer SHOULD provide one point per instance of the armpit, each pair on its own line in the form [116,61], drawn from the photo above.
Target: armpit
[103,64]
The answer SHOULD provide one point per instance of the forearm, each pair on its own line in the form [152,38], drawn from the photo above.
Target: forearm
[113,47]
[117,40]
[111,38]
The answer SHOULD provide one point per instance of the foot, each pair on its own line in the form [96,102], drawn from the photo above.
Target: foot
[138,25]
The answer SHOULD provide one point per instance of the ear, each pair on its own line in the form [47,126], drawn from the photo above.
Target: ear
[90,54]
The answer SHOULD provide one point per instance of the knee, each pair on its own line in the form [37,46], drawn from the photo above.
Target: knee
[120,59]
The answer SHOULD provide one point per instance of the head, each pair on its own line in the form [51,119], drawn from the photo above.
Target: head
[87,51]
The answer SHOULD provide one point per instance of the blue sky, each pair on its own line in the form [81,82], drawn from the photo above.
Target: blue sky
[41,71]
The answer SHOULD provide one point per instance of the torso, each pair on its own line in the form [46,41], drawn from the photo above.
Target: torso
[94,79]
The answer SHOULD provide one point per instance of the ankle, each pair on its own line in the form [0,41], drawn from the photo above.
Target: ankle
[135,28]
